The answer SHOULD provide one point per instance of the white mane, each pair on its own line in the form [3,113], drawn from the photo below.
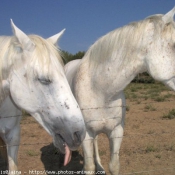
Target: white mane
[11,49]
[43,54]
[124,41]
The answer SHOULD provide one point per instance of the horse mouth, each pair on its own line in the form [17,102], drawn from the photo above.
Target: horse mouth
[61,144]
[65,147]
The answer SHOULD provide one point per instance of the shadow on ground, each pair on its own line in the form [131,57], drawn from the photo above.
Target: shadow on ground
[3,165]
[53,160]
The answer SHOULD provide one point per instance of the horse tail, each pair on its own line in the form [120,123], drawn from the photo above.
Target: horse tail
[97,156]
[3,150]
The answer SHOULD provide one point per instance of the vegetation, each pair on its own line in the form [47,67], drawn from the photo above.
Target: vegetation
[151,148]
[143,78]
[32,153]
[69,57]
[150,92]
[144,91]
[149,107]
[170,115]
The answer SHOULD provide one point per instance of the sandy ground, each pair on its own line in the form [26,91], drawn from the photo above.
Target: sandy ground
[148,145]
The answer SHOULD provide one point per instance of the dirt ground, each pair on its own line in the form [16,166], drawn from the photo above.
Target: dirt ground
[148,145]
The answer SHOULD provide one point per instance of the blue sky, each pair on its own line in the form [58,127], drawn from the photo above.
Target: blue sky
[85,20]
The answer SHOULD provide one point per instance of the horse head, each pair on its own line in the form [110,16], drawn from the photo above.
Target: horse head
[37,84]
[160,59]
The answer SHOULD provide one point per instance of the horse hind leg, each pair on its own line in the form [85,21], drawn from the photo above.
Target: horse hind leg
[99,166]
[3,153]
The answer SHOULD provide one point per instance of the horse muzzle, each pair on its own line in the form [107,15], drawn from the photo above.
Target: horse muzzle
[73,141]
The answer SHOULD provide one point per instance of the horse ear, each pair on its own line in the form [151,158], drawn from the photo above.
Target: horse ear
[55,38]
[23,39]
[169,17]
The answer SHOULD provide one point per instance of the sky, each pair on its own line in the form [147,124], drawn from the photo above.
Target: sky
[84,20]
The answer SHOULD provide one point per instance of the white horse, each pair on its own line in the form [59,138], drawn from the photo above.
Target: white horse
[114,120]
[32,78]
[108,67]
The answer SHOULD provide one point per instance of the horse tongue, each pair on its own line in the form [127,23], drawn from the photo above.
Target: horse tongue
[68,155]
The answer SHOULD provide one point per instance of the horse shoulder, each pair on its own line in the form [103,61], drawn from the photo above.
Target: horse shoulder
[71,70]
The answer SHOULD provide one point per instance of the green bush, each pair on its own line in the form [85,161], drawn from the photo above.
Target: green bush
[170,115]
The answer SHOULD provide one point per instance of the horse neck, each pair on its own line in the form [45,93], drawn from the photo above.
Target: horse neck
[127,72]
[5,61]
[5,65]
[113,75]
[122,76]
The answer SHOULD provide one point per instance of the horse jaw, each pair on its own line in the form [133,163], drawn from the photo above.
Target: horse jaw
[65,150]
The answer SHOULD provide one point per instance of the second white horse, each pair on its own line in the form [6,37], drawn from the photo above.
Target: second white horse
[109,66]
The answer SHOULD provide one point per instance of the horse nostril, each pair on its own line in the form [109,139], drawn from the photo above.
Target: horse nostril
[77,137]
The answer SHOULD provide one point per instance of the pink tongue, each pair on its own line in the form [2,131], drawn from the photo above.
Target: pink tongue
[68,155]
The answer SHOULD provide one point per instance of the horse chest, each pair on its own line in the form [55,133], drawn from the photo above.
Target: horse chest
[102,120]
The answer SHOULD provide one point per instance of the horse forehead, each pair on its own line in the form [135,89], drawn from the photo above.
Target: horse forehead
[46,58]
[44,48]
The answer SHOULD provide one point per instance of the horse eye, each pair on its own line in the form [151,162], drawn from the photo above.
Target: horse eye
[44,81]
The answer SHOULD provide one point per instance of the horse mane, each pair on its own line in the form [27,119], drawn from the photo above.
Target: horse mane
[43,54]
[10,48]
[124,41]
[48,47]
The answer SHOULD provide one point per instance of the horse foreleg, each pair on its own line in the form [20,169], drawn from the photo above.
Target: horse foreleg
[10,131]
[99,166]
[12,142]
[115,140]
[88,152]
